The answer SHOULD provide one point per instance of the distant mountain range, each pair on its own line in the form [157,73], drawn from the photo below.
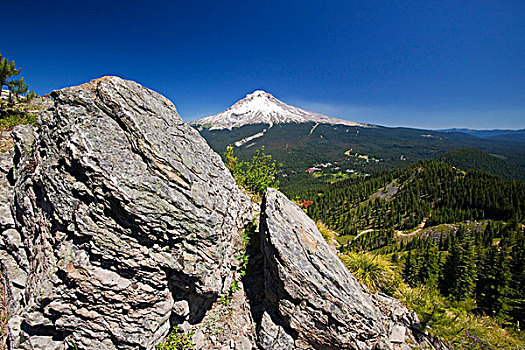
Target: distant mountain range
[501,134]
[301,140]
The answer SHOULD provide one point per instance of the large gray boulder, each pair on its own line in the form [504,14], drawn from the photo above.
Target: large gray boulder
[124,214]
[313,298]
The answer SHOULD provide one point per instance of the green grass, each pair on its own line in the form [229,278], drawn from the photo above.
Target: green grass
[449,320]
[329,177]
[177,340]
[329,236]
[376,272]
[11,118]
[345,239]
[443,228]
[452,321]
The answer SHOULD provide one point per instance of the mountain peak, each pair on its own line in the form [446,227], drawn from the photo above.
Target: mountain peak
[257,100]
[261,107]
[259,93]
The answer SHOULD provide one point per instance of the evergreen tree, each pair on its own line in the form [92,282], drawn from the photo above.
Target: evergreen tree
[409,270]
[517,282]
[431,265]
[460,271]
[8,72]
[492,286]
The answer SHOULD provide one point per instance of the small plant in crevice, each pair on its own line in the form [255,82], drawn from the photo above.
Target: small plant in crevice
[247,234]
[235,285]
[225,299]
[242,256]
[70,342]
[255,176]
[177,340]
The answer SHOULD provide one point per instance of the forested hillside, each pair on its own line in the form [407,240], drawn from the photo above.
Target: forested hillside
[486,265]
[449,243]
[299,146]
[466,283]
[468,158]
[425,194]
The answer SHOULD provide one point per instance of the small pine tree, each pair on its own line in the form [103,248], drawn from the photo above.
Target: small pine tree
[8,71]
[17,86]
[487,290]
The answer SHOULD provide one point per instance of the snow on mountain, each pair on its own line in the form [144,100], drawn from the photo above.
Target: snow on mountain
[261,107]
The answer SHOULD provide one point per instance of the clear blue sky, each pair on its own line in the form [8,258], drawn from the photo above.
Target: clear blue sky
[431,64]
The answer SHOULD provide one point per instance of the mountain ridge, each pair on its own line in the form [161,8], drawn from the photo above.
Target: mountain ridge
[469,158]
[487,133]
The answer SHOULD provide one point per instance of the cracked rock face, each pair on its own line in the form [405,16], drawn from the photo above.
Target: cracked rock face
[313,298]
[125,214]
[13,259]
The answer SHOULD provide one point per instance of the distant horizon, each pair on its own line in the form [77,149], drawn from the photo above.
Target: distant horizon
[191,119]
[312,108]
[429,65]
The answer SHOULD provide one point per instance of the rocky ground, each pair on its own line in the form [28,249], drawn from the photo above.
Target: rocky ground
[118,222]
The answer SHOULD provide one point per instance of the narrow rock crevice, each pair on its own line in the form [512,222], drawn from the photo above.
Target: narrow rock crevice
[44,331]
[184,288]
[253,281]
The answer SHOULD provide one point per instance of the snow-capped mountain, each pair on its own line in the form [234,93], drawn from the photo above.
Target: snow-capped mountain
[261,107]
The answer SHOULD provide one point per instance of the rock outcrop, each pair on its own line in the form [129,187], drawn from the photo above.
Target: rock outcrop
[403,326]
[125,215]
[314,302]
[313,297]
[118,222]
[13,258]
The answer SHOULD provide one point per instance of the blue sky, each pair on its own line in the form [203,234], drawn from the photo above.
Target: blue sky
[427,64]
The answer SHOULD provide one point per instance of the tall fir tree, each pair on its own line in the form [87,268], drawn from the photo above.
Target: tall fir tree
[431,265]
[460,272]
[517,282]
[492,285]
